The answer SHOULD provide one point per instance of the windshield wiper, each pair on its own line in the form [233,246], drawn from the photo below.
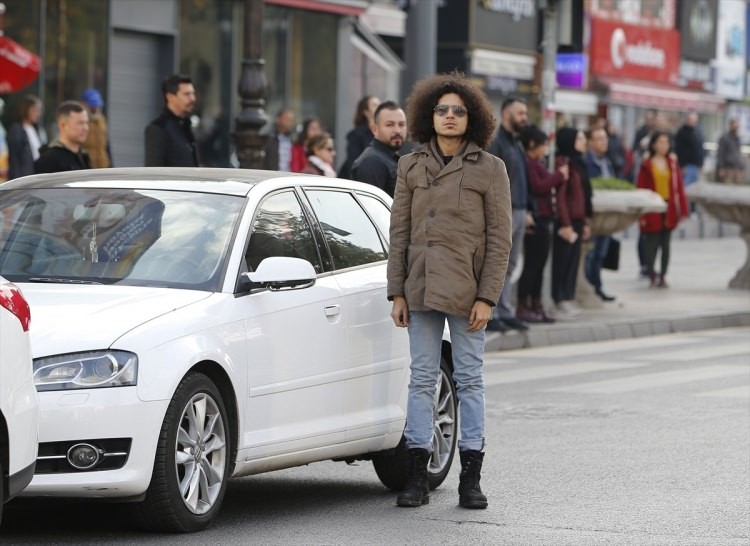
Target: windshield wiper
[62,281]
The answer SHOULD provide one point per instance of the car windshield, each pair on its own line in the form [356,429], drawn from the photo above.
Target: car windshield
[135,237]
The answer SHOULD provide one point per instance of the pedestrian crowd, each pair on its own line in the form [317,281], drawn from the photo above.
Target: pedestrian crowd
[478,212]
[551,210]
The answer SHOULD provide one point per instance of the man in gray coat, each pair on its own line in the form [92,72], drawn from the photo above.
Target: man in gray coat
[450,237]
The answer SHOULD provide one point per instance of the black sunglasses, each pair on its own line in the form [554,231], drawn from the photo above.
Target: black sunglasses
[458,110]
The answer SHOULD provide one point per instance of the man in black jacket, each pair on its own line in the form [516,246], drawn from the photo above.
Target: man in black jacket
[66,153]
[508,147]
[377,164]
[169,138]
[688,145]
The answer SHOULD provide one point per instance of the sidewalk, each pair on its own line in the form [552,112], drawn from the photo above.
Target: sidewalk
[698,298]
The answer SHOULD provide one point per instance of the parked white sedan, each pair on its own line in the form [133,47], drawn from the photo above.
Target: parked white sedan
[19,406]
[196,324]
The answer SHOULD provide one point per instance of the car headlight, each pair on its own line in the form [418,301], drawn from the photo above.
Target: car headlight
[90,370]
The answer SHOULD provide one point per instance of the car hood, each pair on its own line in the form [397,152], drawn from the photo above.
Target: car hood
[85,317]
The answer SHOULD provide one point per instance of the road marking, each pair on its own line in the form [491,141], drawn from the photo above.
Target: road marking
[707,352]
[733,392]
[532,373]
[653,380]
[496,361]
[596,347]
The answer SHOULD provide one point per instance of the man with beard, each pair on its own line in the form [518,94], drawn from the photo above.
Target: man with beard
[169,138]
[508,147]
[377,164]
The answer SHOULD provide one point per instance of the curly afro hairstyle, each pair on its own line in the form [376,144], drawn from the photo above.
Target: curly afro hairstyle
[425,95]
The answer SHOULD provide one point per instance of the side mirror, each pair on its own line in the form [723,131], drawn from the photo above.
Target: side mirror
[279,273]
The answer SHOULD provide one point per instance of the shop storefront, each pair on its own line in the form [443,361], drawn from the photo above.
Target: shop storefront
[320,59]
[636,66]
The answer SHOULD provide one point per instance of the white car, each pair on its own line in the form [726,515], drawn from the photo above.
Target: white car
[19,406]
[196,324]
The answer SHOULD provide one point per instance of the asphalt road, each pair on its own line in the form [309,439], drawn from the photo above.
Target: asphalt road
[643,441]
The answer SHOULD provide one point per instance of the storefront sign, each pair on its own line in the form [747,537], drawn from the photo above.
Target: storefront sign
[647,13]
[515,8]
[698,29]
[635,52]
[498,63]
[731,68]
[696,75]
[571,70]
[503,23]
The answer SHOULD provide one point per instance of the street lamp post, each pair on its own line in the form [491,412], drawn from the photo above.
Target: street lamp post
[549,80]
[252,89]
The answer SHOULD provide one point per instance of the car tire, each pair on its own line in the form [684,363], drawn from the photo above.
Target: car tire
[192,462]
[392,467]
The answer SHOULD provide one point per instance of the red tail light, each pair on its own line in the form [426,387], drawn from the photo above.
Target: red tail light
[12,300]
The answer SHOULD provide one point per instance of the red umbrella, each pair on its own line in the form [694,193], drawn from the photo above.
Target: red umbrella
[18,66]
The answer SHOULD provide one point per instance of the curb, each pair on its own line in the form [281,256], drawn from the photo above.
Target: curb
[583,332]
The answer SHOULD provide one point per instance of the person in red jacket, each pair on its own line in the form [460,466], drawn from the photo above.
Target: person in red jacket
[661,173]
[538,236]
[310,128]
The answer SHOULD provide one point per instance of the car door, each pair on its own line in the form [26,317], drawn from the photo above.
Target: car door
[376,351]
[294,340]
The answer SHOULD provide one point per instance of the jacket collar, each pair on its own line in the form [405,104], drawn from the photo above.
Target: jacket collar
[430,158]
[384,148]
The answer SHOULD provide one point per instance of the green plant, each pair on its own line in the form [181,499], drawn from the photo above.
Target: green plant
[601,183]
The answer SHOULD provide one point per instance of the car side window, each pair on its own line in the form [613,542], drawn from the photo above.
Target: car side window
[281,229]
[351,236]
[379,212]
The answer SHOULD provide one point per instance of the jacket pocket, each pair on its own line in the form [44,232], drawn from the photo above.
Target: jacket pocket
[477,263]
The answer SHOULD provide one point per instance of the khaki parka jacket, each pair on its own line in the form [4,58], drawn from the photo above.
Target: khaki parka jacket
[450,231]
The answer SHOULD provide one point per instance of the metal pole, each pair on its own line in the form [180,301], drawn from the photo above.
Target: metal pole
[549,78]
[252,89]
[420,48]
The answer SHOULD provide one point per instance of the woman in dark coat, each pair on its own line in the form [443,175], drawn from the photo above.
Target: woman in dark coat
[574,213]
[23,138]
[360,136]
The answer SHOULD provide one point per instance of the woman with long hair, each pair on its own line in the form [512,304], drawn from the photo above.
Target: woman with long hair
[660,172]
[536,241]
[24,139]
[574,213]
[310,128]
[320,155]
[361,135]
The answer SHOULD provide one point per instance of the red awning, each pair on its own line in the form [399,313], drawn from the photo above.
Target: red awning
[339,7]
[18,66]
[661,96]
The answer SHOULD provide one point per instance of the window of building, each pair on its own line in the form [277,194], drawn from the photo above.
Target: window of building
[299,47]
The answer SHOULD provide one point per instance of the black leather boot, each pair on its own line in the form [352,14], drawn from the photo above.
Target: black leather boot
[417,489]
[469,493]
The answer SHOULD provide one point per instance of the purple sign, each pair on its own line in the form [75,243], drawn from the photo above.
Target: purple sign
[571,70]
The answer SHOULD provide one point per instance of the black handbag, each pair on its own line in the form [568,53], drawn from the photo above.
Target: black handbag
[612,259]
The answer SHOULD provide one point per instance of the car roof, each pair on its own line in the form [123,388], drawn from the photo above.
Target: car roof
[198,179]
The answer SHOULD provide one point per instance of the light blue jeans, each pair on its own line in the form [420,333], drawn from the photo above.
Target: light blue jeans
[425,342]
[504,308]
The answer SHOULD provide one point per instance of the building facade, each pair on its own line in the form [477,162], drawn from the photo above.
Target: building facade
[321,57]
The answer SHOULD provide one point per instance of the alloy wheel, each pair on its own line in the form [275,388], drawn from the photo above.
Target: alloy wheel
[443,436]
[200,453]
